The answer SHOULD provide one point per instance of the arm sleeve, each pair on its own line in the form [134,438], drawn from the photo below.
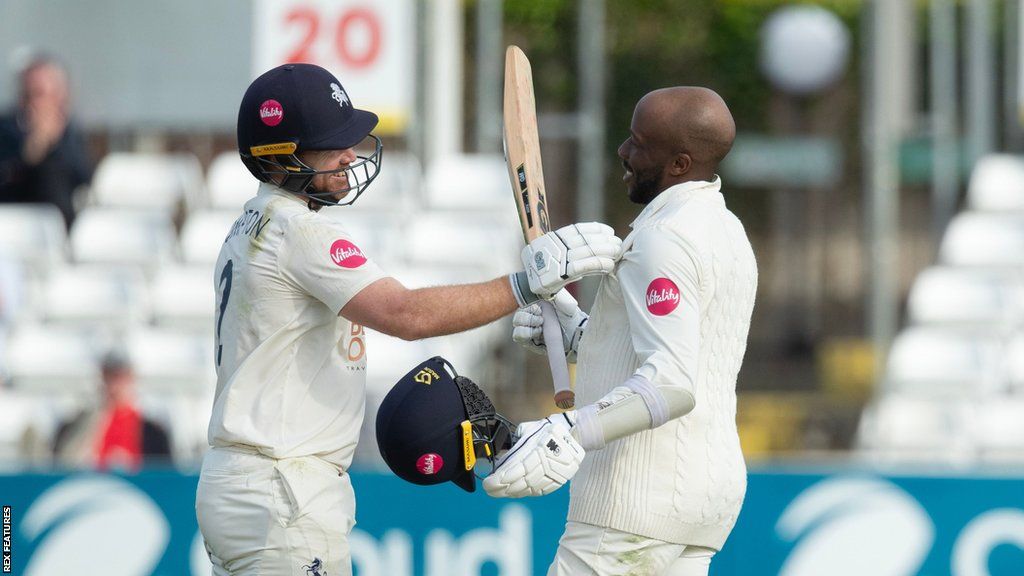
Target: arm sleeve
[323,259]
[660,280]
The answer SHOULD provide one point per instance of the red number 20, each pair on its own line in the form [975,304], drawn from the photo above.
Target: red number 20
[349,24]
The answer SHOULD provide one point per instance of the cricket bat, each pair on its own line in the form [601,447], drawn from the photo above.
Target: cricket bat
[522,154]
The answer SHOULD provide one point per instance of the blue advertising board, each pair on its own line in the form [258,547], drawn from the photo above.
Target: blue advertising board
[813,523]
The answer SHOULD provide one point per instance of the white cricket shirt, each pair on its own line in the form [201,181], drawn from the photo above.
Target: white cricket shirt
[291,373]
[675,310]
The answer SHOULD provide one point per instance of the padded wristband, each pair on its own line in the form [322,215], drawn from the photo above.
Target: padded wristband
[591,436]
[521,289]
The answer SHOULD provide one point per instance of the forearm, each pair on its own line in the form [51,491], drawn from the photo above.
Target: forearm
[441,310]
[635,406]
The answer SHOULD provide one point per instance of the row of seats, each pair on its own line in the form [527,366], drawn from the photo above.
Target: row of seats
[126,278]
[164,181]
[953,386]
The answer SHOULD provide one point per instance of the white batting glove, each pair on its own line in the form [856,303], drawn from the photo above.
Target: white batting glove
[564,256]
[542,461]
[528,325]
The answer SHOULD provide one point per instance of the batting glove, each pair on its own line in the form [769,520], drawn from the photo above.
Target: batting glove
[528,325]
[542,461]
[564,256]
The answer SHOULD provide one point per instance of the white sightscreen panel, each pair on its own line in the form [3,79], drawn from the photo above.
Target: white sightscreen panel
[169,65]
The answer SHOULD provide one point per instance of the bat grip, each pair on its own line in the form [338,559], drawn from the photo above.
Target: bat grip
[564,396]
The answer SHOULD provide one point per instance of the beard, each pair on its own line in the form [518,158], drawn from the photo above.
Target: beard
[644,186]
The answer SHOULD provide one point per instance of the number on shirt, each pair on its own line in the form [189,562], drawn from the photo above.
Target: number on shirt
[225,285]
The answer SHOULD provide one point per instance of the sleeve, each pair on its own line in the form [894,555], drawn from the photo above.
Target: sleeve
[660,280]
[323,259]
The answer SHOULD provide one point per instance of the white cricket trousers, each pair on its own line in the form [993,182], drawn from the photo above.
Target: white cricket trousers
[265,517]
[588,550]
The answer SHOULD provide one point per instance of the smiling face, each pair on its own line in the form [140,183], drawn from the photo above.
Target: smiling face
[335,183]
[643,158]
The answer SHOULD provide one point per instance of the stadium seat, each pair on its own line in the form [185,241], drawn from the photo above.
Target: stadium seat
[933,361]
[997,184]
[999,429]
[1015,363]
[984,239]
[229,183]
[899,428]
[59,360]
[122,236]
[469,182]
[203,234]
[183,297]
[147,180]
[96,296]
[34,235]
[967,297]
[487,241]
[171,362]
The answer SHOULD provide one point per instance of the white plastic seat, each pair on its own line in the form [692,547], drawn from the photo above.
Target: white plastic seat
[984,239]
[967,297]
[469,182]
[146,180]
[999,429]
[203,234]
[96,295]
[183,297]
[34,235]
[1014,365]
[53,360]
[490,242]
[901,428]
[933,361]
[123,236]
[997,183]
[171,361]
[229,183]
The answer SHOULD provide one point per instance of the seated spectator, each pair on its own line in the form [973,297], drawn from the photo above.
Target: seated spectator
[43,157]
[114,435]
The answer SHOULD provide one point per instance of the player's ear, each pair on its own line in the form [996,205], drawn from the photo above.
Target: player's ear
[680,165]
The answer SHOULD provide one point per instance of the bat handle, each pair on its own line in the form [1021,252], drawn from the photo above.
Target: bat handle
[564,397]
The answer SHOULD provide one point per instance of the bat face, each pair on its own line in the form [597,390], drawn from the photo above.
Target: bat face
[522,145]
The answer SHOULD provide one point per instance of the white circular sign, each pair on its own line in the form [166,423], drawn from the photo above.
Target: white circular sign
[804,49]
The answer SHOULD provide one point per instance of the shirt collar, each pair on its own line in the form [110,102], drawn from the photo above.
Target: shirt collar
[268,189]
[678,194]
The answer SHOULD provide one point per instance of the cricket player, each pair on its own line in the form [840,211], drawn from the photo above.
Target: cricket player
[294,293]
[663,479]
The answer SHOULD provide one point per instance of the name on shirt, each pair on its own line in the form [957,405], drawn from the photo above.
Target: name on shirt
[251,223]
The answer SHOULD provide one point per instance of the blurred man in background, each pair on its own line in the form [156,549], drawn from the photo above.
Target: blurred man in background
[665,478]
[43,157]
[114,435]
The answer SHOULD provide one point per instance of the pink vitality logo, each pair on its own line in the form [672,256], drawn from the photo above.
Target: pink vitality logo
[271,112]
[662,296]
[429,464]
[347,254]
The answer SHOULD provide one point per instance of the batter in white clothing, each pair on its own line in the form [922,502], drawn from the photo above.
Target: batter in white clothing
[294,292]
[663,479]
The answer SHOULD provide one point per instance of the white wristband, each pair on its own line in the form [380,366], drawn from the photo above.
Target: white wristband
[591,436]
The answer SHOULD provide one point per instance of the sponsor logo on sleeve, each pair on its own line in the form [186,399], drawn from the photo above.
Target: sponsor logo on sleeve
[271,112]
[347,254]
[662,296]
[429,464]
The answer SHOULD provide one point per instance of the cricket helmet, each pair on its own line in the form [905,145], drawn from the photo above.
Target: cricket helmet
[298,107]
[434,425]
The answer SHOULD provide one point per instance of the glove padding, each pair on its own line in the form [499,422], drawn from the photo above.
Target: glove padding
[545,458]
[528,325]
[568,254]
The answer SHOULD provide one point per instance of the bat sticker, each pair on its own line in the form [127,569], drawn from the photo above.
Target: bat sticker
[524,190]
[542,215]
